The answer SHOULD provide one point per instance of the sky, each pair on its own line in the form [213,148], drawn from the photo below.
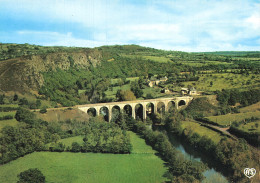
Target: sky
[180,25]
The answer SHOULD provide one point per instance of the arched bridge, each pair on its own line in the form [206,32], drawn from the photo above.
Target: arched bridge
[132,107]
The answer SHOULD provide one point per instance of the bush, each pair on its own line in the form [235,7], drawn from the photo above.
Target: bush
[58,147]
[25,115]
[75,147]
[6,117]
[31,176]
[43,110]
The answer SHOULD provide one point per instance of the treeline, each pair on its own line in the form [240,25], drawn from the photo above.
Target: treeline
[6,117]
[231,154]
[233,96]
[180,170]
[19,100]
[30,135]
[251,137]
[33,134]
[8,51]
[99,137]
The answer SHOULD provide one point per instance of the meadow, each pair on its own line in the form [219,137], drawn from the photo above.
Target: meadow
[140,166]
[229,118]
[201,130]
[223,81]
[155,92]
[250,127]
[10,113]
[10,122]
[251,108]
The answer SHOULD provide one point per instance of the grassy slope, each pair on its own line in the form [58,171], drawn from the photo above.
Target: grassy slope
[250,127]
[215,136]
[70,140]
[223,81]
[10,122]
[12,113]
[9,105]
[62,115]
[143,166]
[251,108]
[155,92]
[226,119]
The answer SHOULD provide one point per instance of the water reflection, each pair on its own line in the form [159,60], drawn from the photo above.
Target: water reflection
[214,175]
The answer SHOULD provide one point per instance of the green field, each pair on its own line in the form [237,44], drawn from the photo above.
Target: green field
[250,127]
[157,59]
[9,105]
[251,108]
[229,118]
[12,113]
[155,92]
[141,166]
[223,81]
[10,122]
[200,63]
[201,130]
[113,81]
[68,141]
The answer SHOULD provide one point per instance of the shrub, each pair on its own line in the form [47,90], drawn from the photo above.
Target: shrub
[43,110]
[25,115]
[75,147]
[31,176]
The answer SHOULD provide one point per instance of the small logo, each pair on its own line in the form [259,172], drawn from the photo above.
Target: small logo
[249,172]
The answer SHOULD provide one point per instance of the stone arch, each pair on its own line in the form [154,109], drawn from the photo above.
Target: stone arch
[115,112]
[150,108]
[181,103]
[171,106]
[139,111]
[161,107]
[105,112]
[128,109]
[92,112]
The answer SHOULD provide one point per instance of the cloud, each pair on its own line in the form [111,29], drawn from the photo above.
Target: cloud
[58,39]
[166,24]
[254,21]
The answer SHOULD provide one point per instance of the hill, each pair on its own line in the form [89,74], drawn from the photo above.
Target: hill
[25,73]
[71,75]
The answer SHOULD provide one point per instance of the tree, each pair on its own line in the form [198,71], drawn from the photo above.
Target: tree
[23,101]
[211,83]
[38,103]
[43,110]
[15,97]
[125,95]
[2,99]
[75,147]
[141,82]
[25,115]
[31,175]
[149,96]
[135,88]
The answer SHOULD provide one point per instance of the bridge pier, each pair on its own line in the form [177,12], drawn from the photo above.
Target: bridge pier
[110,113]
[144,112]
[155,108]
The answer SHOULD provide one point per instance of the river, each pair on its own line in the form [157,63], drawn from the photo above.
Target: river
[215,173]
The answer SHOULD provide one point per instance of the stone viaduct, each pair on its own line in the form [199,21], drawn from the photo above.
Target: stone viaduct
[147,106]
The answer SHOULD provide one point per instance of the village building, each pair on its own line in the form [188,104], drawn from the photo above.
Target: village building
[165,90]
[155,82]
[191,91]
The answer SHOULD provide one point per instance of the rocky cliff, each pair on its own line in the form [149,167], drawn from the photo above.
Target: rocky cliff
[24,74]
